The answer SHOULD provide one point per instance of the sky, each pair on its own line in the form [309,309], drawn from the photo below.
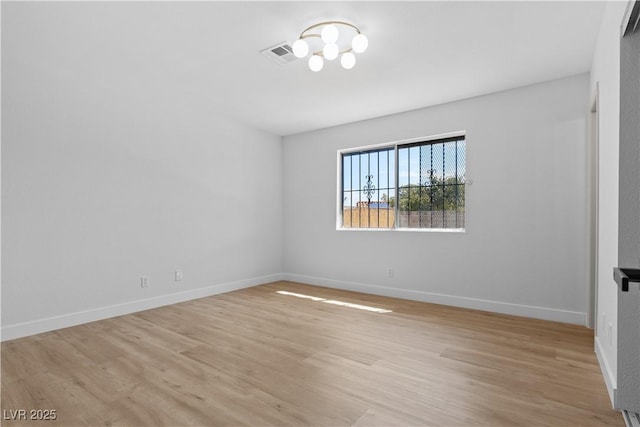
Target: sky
[380,164]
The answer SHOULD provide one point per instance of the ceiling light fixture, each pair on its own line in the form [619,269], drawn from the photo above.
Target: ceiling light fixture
[333,36]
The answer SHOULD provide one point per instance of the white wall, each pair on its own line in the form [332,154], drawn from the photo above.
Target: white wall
[106,178]
[605,74]
[524,249]
[0,184]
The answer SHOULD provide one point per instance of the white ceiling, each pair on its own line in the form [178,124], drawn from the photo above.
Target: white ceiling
[205,56]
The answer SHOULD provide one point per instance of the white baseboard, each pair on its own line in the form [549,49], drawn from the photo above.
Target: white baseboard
[556,315]
[19,330]
[607,372]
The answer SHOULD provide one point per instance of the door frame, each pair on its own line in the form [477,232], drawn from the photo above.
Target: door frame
[593,198]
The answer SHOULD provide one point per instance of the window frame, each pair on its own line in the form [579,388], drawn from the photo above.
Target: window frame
[395,145]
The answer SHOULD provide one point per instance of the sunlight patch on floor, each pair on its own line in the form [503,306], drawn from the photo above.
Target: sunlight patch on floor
[334,302]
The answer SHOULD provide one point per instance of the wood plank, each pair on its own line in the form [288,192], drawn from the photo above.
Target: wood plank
[259,357]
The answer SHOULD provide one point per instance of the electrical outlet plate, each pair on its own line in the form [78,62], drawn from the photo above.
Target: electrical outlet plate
[144,281]
[178,276]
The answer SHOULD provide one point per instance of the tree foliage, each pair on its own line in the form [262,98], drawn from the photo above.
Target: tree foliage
[436,194]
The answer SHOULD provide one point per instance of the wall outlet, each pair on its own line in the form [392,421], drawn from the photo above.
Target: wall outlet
[177,276]
[144,281]
[390,272]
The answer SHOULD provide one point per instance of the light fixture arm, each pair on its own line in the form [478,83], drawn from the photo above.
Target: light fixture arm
[321,53]
[322,24]
[303,34]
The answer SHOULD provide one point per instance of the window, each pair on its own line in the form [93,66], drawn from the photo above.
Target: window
[406,185]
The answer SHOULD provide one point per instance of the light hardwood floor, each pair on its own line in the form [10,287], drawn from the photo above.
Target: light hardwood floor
[258,357]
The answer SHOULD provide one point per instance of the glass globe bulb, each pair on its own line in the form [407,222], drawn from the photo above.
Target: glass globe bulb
[329,34]
[300,48]
[348,60]
[359,43]
[330,51]
[316,63]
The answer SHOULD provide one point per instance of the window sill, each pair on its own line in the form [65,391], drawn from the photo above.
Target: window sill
[407,230]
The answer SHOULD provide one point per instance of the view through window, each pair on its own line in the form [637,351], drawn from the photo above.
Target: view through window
[415,185]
